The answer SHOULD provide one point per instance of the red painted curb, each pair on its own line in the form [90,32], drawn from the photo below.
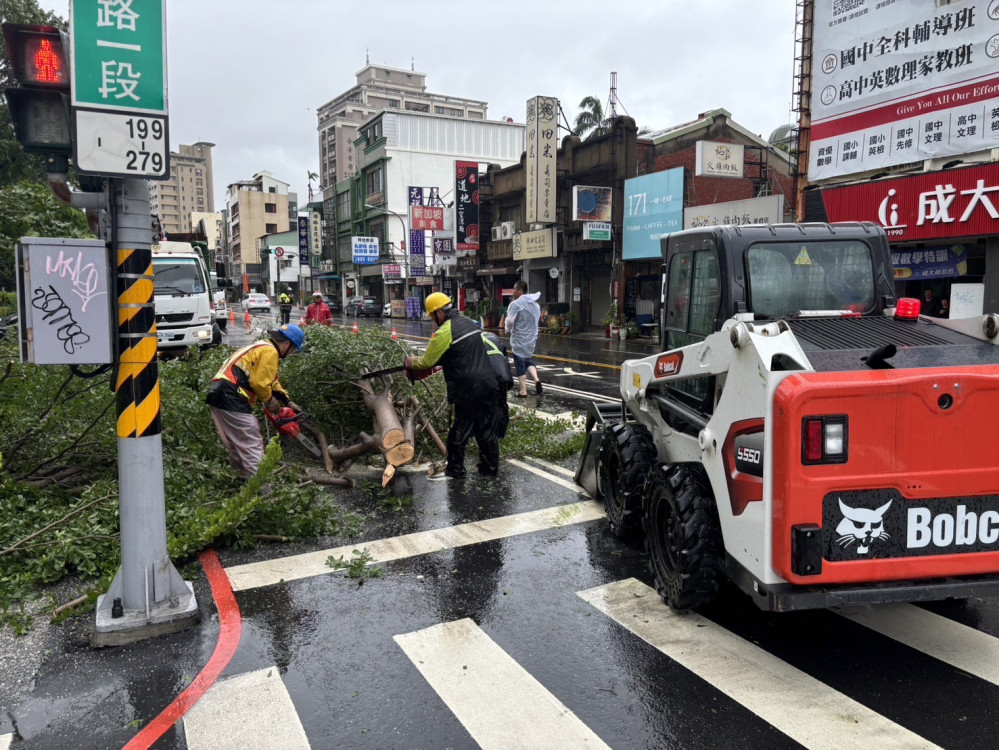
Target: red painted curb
[231,628]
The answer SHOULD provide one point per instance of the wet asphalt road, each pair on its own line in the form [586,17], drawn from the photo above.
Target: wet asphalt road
[554,615]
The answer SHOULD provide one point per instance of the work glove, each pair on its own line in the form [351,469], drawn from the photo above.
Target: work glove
[274,406]
[295,407]
[409,363]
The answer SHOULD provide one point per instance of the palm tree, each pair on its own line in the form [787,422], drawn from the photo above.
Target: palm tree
[312,176]
[591,118]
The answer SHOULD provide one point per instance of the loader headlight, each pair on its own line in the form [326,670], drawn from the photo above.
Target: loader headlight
[824,440]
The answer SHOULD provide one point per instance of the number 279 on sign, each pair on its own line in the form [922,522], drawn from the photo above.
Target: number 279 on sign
[118,144]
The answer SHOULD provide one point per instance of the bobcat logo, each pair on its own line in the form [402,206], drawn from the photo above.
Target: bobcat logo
[862,526]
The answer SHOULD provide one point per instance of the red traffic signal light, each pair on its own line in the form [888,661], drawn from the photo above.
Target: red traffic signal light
[39,106]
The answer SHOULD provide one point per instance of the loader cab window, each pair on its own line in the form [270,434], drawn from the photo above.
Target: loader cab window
[692,299]
[790,278]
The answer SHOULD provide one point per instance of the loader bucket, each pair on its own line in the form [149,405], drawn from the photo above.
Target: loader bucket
[597,417]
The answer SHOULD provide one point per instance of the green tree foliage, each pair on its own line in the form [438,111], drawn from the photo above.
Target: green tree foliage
[15,164]
[591,119]
[30,210]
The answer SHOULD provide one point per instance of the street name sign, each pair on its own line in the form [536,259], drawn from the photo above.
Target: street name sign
[119,88]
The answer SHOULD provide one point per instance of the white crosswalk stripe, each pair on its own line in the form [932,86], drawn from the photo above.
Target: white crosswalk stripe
[951,642]
[569,372]
[249,710]
[500,704]
[764,684]
[5,740]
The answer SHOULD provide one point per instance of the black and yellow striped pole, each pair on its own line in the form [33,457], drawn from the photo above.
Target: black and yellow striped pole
[148,596]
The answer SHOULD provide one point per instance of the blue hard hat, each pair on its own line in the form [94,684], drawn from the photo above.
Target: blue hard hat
[294,334]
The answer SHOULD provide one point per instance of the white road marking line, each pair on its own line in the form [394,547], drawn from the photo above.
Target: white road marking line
[797,704]
[5,740]
[581,394]
[550,466]
[550,477]
[951,642]
[500,704]
[248,710]
[569,372]
[294,567]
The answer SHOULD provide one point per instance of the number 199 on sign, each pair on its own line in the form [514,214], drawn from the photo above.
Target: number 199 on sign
[119,144]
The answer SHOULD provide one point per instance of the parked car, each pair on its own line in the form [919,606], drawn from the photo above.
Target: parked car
[256,301]
[333,302]
[363,307]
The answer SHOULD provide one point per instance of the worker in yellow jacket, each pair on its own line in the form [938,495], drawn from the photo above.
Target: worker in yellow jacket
[250,376]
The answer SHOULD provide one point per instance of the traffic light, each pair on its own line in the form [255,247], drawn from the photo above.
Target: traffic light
[39,106]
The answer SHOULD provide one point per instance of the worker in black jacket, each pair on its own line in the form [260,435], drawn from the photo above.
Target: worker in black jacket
[504,379]
[457,346]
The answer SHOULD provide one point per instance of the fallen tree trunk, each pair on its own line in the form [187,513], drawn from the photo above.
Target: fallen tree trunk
[339,456]
[428,428]
[323,445]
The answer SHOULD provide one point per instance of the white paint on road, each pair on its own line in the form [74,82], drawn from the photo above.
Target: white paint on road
[951,642]
[550,477]
[551,467]
[5,740]
[249,710]
[500,704]
[806,710]
[294,567]
[568,371]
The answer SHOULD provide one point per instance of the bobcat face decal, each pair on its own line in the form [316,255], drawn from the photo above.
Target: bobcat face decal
[861,526]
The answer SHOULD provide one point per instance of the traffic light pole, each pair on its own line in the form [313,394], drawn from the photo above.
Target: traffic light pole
[147,597]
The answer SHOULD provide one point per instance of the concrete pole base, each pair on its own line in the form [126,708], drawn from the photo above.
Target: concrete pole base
[136,625]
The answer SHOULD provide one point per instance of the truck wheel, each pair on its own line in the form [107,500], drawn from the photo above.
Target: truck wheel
[627,456]
[683,536]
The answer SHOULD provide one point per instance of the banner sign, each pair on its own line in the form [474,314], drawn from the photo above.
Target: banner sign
[901,82]
[426,218]
[713,159]
[391,271]
[542,147]
[466,205]
[766,210]
[591,203]
[653,208]
[364,250]
[930,263]
[538,244]
[443,246]
[303,240]
[937,205]
[315,233]
[417,236]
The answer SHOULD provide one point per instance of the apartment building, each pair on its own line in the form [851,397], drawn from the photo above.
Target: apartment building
[255,208]
[190,189]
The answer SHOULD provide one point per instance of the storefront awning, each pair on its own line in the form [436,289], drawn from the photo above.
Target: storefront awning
[504,271]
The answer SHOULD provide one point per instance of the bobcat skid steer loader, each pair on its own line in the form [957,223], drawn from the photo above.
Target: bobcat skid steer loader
[803,433]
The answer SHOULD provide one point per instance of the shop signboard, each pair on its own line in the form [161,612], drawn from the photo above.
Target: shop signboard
[938,205]
[921,263]
[426,218]
[541,150]
[653,208]
[466,205]
[597,231]
[715,159]
[537,244]
[364,250]
[766,210]
[591,203]
[900,82]
[391,271]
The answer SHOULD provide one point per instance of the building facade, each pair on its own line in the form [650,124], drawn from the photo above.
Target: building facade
[190,189]
[256,208]
[402,155]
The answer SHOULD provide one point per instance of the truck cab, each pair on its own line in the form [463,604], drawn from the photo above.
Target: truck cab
[182,297]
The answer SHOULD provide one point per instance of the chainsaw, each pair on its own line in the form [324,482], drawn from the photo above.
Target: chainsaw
[411,375]
[289,422]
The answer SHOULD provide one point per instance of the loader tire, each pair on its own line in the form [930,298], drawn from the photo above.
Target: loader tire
[627,456]
[683,536]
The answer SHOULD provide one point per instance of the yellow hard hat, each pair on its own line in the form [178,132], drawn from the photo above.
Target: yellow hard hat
[436,301]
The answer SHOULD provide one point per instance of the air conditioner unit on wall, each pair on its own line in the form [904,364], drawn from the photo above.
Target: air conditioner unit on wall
[506,230]
[497,236]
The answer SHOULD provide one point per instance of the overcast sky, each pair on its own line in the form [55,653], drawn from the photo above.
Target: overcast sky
[248,75]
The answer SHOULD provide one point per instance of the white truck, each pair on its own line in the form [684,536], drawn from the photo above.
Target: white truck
[185,313]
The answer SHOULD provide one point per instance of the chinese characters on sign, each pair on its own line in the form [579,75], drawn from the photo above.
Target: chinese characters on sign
[427,218]
[930,262]
[303,240]
[955,203]
[766,210]
[315,233]
[391,271]
[538,244]
[541,148]
[902,82]
[653,208]
[119,94]
[713,159]
[466,205]
[364,250]
[417,236]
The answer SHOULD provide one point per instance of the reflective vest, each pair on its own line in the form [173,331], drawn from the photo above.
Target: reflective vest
[228,371]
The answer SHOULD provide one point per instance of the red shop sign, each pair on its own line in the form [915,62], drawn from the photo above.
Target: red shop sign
[948,204]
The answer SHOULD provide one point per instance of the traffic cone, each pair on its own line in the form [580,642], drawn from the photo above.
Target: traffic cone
[394,335]
[232,316]
[355,327]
